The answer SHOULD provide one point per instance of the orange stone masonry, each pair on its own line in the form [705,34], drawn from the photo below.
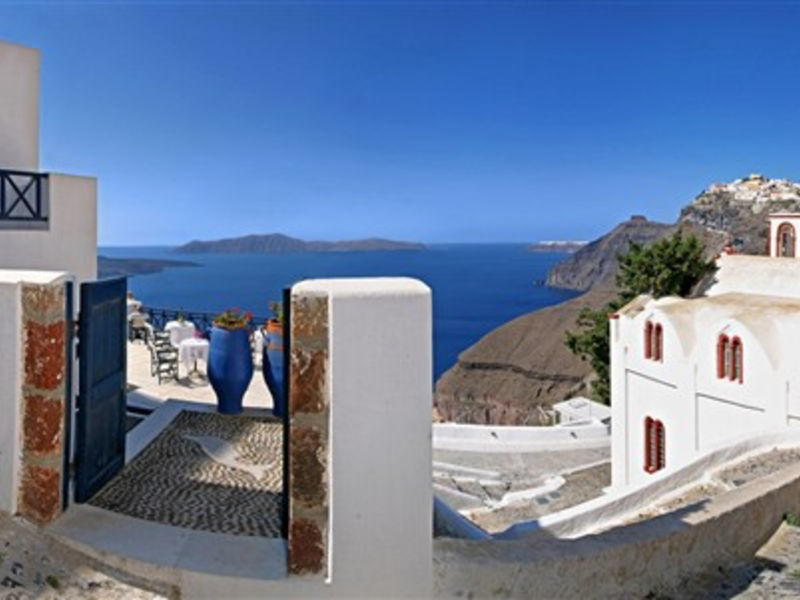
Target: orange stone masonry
[43,393]
[309,401]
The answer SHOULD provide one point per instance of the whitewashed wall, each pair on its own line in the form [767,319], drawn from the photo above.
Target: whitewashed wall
[700,411]
[10,390]
[19,107]
[69,243]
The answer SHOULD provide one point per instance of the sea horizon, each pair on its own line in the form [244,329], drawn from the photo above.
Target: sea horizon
[476,286]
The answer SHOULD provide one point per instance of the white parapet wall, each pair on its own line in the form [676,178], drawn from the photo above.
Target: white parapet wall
[19,107]
[590,433]
[69,243]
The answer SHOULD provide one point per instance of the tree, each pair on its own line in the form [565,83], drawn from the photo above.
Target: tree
[671,266]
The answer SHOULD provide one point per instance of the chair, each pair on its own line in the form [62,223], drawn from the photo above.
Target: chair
[138,328]
[163,362]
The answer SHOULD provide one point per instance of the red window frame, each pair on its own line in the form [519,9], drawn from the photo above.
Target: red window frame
[785,229]
[653,341]
[648,339]
[723,344]
[736,370]
[655,445]
[658,342]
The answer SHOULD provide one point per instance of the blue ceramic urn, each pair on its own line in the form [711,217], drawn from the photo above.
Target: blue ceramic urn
[230,367]
[272,365]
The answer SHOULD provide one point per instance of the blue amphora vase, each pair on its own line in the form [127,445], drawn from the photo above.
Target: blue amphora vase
[272,365]
[230,367]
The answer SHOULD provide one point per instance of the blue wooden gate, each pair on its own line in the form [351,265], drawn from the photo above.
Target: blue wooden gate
[100,419]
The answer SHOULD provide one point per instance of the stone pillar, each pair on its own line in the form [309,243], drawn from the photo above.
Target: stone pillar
[309,433]
[361,393]
[43,399]
[32,392]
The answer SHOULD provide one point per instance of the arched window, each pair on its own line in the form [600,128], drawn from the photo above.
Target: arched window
[723,348]
[654,445]
[658,342]
[736,371]
[786,240]
[648,339]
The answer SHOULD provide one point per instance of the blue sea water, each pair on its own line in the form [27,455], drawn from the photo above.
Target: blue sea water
[476,287]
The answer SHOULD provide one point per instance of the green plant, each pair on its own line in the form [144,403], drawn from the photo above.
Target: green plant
[277,310]
[671,266]
[792,519]
[233,318]
[53,581]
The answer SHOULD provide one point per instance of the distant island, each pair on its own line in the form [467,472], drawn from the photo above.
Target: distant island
[121,267]
[556,246]
[277,242]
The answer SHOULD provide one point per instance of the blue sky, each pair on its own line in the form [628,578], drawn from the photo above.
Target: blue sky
[421,121]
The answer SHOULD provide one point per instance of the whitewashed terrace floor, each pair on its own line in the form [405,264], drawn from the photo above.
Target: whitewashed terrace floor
[193,388]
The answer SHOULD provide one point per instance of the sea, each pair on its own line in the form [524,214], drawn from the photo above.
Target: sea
[476,287]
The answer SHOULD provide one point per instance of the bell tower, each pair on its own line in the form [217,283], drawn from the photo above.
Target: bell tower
[783,231]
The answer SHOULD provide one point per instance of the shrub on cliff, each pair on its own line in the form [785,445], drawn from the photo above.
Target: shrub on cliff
[671,266]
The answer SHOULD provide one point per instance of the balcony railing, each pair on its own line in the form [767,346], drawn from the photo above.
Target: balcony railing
[203,321]
[22,198]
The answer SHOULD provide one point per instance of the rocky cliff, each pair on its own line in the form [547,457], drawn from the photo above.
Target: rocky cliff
[518,369]
[739,209]
[596,263]
[520,366]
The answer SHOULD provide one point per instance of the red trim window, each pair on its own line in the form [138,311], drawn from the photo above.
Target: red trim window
[786,240]
[658,342]
[655,449]
[736,371]
[648,340]
[723,347]
[653,341]
[730,358]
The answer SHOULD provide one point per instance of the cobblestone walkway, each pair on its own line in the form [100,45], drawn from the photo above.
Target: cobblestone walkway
[206,471]
[31,567]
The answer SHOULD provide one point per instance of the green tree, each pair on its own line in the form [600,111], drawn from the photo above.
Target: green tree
[671,266]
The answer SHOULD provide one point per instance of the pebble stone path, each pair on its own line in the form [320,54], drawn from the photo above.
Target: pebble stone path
[32,567]
[176,482]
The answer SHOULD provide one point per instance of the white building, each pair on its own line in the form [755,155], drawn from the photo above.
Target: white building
[48,221]
[691,375]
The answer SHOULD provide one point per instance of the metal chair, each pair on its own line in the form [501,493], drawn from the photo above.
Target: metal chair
[138,328]
[163,362]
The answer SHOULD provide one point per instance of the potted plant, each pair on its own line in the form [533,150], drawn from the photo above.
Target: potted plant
[272,358]
[230,364]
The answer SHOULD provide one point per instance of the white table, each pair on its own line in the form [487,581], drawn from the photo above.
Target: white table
[179,331]
[191,350]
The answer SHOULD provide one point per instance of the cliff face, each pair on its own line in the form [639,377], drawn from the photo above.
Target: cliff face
[522,366]
[595,264]
[518,368]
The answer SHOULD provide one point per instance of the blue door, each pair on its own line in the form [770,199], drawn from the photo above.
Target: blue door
[100,418]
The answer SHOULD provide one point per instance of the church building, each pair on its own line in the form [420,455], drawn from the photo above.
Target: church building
[692,375]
